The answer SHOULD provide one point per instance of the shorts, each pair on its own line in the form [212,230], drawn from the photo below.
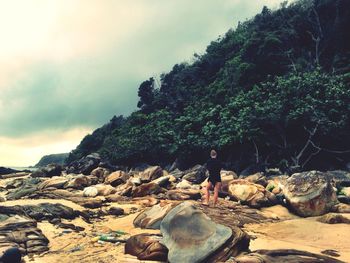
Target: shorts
[214,180]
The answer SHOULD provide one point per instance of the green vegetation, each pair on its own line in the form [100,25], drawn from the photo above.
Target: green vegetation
[274,92]
[58,158]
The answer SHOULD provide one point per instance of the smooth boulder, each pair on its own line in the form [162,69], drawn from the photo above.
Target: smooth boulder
[190,235]
[254,195]
[310,193]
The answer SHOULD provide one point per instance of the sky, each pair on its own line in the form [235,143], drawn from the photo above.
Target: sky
[68,66]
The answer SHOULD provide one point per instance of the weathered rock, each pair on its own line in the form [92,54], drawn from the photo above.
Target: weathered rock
[341,178]
[151,173]
[285,256]
[196,175]
[162,181]
[116,211]
[55,182]
[146,189]
[81,181]
[116,178]
[90,191]
[341,208]
[22,233]
[48,171]
[276,184]
[333,219]
[344,199]
[345,191]
[254,195]
[87,202]
[183,194]
[257,178]
[184,184]
[85,165]
[177,173]
[146,247]
[28,186]
[310,193]
[101,173]
[135,181]
[151,217]
[99,189]
[125,189]
[190,235]
[43,211]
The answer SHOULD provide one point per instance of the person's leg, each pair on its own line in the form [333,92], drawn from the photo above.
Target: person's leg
[11,255]
[216,192]
[207,193]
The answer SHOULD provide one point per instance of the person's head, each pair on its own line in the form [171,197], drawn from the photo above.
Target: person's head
[213,154]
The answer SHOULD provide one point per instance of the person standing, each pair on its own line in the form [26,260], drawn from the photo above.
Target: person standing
[213,166]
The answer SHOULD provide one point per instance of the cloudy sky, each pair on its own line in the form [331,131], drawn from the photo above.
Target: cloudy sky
[68,66]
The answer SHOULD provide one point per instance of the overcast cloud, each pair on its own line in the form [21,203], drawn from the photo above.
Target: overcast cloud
[68,66]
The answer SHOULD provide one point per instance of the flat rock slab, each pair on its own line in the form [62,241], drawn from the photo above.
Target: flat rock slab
[190,235]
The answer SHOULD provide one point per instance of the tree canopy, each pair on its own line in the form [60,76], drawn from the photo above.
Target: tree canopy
[272,91]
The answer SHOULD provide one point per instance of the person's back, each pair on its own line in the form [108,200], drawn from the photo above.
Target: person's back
[213,166]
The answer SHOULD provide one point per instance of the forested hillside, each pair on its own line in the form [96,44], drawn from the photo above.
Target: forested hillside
[274,92]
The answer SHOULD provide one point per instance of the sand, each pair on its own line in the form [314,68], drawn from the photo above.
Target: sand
[292,232]
[300,233]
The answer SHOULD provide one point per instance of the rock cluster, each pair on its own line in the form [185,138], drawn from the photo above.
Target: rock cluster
[189,232]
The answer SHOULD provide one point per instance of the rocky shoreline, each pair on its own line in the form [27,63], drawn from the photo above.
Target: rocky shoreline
[92,213]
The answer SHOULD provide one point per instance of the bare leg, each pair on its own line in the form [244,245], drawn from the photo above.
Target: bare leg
[216,192]
[207,193]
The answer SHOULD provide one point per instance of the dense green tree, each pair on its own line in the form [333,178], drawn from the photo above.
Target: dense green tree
[274,91]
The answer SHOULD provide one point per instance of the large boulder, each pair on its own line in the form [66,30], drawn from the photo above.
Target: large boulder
[55,182]
[85,165]
[146,247]
[116,178]
[190,235]
[151,173]
[195,175]
[254,195]
[310,193]
[151,217]
[48,171]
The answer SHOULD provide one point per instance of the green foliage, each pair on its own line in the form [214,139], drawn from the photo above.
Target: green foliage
[257,94]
